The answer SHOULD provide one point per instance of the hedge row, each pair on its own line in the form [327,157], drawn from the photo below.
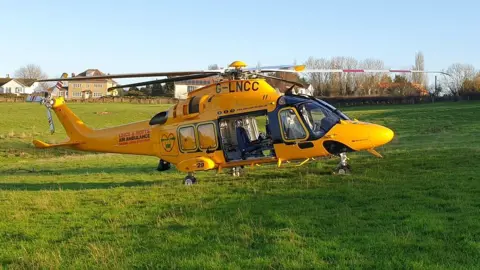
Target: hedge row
[336,101]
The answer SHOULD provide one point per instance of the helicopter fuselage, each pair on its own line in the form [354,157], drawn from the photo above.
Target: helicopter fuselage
[229,124]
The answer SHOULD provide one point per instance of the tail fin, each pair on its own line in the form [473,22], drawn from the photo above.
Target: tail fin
[74,127]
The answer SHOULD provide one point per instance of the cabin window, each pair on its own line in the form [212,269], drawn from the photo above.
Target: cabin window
[187,140]
[207,136]
[291,126]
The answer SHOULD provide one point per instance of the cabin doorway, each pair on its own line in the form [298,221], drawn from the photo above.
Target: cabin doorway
[246,136]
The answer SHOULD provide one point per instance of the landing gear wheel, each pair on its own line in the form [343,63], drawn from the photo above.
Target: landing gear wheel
[163,165]
[190,180]
[343,167]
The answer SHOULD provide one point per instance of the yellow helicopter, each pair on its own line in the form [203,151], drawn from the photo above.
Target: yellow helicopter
[239,120]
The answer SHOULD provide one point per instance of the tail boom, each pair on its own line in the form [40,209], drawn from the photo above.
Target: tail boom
[134,138]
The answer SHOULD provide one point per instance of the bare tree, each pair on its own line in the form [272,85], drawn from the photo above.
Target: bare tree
[319,81]
[369,81]
[336,78]
[32,72]
[459,73]
[344,83]
[350,85]
[213,67]
[419,78]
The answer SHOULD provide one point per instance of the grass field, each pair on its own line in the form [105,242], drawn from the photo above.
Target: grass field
[418,208]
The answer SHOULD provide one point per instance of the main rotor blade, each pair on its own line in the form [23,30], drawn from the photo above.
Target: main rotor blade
[133,75]
[353,71]
[282,67]
[283,80]
[174,79]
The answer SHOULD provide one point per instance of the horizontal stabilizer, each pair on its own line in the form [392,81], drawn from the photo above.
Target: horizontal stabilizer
[40,144]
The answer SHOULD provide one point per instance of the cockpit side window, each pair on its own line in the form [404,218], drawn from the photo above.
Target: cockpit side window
[318,118]
[313,116]
[291,126]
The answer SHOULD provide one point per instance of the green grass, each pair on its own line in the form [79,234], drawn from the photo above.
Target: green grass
[418,208]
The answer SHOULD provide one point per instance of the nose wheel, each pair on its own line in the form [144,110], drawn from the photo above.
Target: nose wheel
[190,180]
[343,167]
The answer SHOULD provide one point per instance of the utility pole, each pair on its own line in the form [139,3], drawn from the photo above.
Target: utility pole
[435,91]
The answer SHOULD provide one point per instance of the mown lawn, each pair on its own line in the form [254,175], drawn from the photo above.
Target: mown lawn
[417,208]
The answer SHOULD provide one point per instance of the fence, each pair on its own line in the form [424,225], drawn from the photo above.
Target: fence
[135,100]
[358,101]
[163,100]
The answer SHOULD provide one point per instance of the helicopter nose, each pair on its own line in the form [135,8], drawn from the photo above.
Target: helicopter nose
[381,135]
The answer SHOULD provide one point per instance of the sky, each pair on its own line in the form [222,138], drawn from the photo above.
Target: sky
[149,36]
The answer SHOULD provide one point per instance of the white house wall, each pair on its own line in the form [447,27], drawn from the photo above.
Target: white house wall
[13,85]
[181,91]
[35,87]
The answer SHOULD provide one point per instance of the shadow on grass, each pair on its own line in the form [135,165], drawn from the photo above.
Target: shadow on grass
[74,185]
[26,149]
[119,169]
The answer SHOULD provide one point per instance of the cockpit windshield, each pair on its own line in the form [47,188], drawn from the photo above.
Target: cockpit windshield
[318,118]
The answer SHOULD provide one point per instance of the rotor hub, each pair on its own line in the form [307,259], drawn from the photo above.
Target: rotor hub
[238,64]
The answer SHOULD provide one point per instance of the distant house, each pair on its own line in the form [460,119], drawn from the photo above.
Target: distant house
[63,92]
[92,88]
[182,88]
[18,86]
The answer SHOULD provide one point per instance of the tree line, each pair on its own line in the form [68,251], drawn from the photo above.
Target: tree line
[463,79]
[154,90]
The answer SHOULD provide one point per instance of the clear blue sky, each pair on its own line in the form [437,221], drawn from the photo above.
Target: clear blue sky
[147,36]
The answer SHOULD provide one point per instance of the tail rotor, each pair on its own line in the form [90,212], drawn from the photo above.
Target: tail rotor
[48,105]
[48,101]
